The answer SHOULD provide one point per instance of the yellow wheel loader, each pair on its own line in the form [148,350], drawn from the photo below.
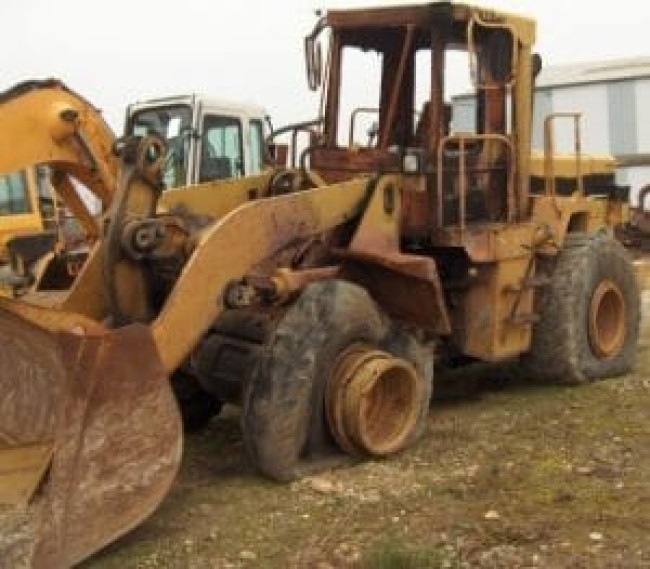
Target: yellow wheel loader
[317,297]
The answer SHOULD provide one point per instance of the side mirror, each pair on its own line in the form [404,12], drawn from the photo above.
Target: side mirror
[314,63]
[536,64]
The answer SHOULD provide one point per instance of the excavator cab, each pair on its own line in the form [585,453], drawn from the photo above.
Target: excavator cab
[206,139]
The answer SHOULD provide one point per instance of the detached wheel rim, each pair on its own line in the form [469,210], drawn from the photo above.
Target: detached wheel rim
[372,401]
[607,317]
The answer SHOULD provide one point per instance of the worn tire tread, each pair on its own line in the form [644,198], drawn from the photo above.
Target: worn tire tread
[560,349]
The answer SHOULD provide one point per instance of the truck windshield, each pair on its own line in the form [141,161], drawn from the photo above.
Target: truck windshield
[174,124]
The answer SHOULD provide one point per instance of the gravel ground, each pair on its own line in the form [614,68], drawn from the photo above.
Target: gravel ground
[519,476]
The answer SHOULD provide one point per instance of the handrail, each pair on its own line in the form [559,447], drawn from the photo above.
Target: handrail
[294,129]
[462,140]
[549,151]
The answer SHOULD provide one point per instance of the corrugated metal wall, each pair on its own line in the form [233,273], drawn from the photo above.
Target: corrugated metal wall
[616,117]
[623,119]
[542,106]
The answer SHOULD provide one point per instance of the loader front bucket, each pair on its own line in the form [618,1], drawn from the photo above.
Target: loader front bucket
[90,437]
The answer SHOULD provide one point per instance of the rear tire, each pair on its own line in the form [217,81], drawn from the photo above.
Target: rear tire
[284,423]
[589,314]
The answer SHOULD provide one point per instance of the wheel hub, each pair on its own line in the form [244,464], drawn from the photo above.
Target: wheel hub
[607,317]
[372,401]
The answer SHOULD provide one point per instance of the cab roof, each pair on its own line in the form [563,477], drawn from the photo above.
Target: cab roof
[428,16]
[235,108]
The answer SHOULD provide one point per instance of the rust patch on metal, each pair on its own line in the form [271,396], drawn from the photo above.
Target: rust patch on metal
[372,401]
[406,286]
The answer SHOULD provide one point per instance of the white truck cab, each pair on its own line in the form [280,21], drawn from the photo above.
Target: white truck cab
[208,139]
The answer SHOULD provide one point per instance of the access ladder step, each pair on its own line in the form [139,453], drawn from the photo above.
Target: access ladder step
[522,319]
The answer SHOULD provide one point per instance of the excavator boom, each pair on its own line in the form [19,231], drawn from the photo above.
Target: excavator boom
[44,122]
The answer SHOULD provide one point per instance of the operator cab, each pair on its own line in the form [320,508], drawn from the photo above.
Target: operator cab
[207,140]
[462,168]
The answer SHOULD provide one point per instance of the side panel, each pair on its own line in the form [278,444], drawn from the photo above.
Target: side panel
[558,213]
[543,107]
[492,321]
[592,102]
[643,115]
[621,99]
[216,199]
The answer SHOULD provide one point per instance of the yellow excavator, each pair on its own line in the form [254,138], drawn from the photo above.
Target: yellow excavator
[45,226]
[316,297]
[21,214]
[52,435]
[41,245]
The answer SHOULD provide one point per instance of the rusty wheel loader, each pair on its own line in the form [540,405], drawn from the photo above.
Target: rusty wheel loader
[316,297]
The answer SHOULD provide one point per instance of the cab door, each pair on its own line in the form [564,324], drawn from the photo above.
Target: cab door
[221,151]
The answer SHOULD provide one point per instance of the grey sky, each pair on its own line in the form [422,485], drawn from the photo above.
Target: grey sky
[116,51]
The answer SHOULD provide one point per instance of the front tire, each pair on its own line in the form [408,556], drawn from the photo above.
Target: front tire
[284,421]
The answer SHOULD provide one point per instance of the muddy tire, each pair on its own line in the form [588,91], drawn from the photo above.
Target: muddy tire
[589,314]
[284,423]
[197,406]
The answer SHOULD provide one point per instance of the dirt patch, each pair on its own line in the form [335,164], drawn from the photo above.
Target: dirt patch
[523,476]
